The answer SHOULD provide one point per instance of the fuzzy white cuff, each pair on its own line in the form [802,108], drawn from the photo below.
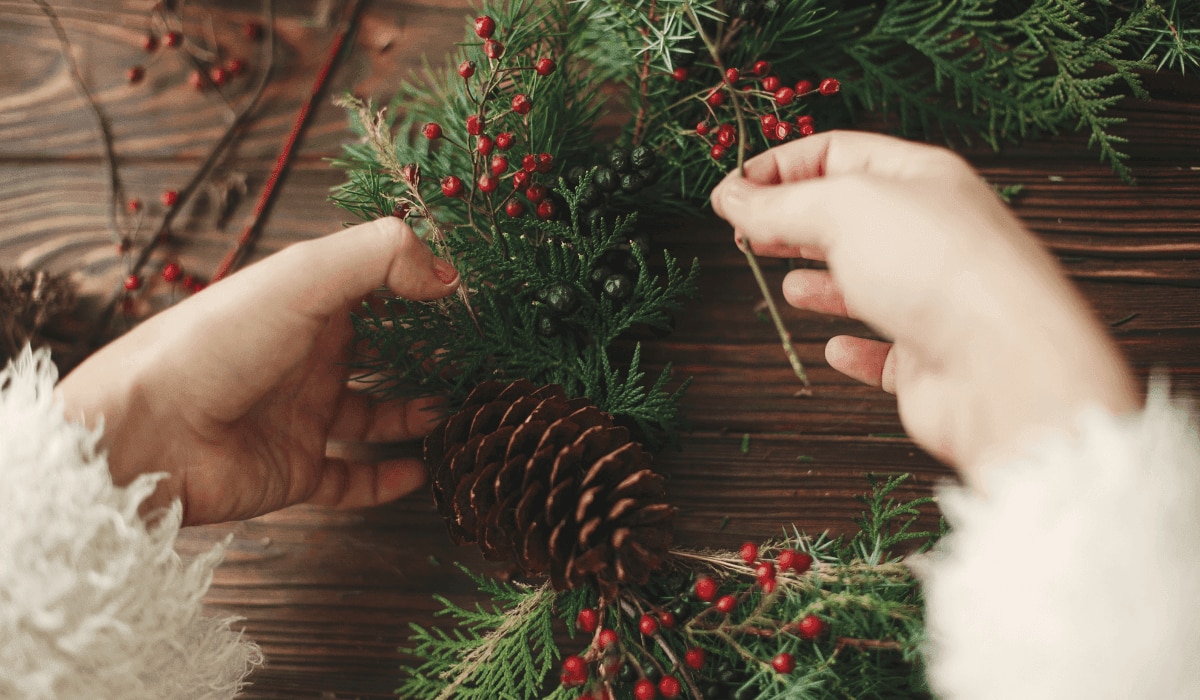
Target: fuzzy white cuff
[93,603]
[1074,572]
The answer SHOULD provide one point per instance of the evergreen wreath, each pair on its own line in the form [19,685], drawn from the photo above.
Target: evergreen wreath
[534,161]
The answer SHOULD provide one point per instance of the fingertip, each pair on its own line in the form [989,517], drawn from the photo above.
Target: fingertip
[398,479]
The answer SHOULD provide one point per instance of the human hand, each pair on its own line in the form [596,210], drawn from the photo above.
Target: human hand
[235,391]
[989,341]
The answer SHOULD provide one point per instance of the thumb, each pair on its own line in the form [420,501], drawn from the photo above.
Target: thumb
[329,274]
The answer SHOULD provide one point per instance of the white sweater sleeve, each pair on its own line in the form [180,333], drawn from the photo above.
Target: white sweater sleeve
[1074,572]
[93,603]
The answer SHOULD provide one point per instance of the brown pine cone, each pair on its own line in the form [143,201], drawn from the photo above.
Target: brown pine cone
[552,482]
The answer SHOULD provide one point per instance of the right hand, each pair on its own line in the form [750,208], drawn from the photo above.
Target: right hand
[989,341]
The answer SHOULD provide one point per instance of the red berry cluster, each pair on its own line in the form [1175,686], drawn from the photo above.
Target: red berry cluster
[210,72]
[490,159]
[764,97]
[606,662]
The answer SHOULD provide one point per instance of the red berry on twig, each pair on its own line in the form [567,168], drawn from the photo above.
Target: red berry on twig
[529,163]
[680,74]
[485,27]
[811,627]
[670,687]
[607,638]
[783,130]
[765,571]
[770,83]
[520,179]
[487,183]
[575,666]
[768,122]
[168,198]
[545,66]
[706,588]
[830,86]
[515,208]
[545,163]
[452,186]
[783,663]
[521,104]
[499,165]
[645,690]
[493,49]
[171,272]
[715,98]
[135,74]
[466,69]
[172,39]
[726,135]
[785,95]
[761,68]
[536,193]
[804,87]
[474,125]
[667,619]
[694,658]
[133,283]
[726,604]
[806,129]
[647,625]
[588,618]
[702,128]
[504,140]
[717,151]
[749,552]
[732,75]
[432,131]
[768,586]
[790,559]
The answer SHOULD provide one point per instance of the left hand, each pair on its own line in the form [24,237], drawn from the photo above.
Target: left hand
[235,392]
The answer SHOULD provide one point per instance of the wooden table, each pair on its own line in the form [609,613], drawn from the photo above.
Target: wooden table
[329,595]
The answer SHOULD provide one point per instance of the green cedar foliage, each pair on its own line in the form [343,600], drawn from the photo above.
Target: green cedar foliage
[859,587]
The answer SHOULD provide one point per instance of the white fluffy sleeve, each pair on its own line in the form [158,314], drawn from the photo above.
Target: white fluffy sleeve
[93,603]
[1075,571]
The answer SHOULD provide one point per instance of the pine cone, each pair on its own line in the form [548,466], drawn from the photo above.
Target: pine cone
[552,482]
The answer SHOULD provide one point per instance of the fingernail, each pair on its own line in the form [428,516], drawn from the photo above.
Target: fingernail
[444,271]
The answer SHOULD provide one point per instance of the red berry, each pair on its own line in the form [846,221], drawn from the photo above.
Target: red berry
[749,552]
[727,135]
[706,588]
[432,131]
[830,86]
[520,179]
[189,283]
[807,129]
[529,163]
[804,119]
[732,75]
[715,98]
[768,586]
[400,211]
[521,104]
[219,76]
[785,95]
[499,165]
[171,272]
[466,69]
[726,604]
[765,571]
[680,74]
[670,686]
[493,49]
[474,125]
[771,83]
[484,145]
[133,283]
[487,183]
[545,66]
[535,193]
[172,39]
[648,625]
[452,186]
[149,43]
[761,67]
[769,121]
[702,128]
[588,618]
[253,31]
[545,163]
[196,80]
[546,209]
[515,208]
[168,198]
[645,690]
[694,658]
[667,619]
[607,638]
[485,27]
[575,666]
[135,74]
[134,205]
[811,627]
[410,172]
[504,140]
[783,663]
[804,87]
[717,151]
[790,559]
[783,130]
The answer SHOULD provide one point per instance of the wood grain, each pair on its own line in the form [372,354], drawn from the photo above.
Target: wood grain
[330,595]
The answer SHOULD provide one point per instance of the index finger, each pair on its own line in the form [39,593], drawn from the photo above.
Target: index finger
[834,153]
